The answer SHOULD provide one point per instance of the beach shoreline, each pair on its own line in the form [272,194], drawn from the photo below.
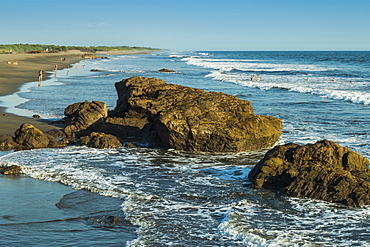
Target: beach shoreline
[19,68]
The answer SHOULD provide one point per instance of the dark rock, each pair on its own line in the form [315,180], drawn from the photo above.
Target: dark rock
[101,141]
[7,143]
[192,119]
[31,137]
[83,116]
[125,128]
[36,116]
[57,133]
[166,70]
[11,170]
[324,171]
[59,138]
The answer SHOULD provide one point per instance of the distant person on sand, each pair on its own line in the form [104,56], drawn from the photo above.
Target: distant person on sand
[40,78]
[40,75]
[56,67]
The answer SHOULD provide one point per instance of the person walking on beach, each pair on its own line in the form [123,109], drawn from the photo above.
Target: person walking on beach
[40,78]
[56,67]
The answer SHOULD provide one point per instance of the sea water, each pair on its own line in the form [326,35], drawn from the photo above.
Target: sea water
[176,198]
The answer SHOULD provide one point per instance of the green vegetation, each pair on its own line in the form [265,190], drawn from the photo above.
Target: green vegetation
[56,48]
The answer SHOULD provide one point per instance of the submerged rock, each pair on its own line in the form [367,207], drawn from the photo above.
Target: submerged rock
[191,119]
[324,171]
[11,170]
[166,70]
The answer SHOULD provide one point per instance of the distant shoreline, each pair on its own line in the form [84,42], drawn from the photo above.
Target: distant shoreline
[17,69]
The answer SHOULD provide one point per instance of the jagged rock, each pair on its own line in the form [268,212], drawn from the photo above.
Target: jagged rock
[166,70]
[192,119]
[7,143]
[31,137]
[83,116]
[324,171]
[101,141]
[11,170]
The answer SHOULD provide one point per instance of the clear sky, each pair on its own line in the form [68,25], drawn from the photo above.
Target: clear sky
[190,24]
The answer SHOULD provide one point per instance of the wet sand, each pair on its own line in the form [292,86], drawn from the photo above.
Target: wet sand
[35,212]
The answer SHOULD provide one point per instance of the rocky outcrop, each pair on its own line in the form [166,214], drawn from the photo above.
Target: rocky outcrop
[151,112]
[28,136]
[101,141]
[85,117]
[166,71]
[192,119]
[31,137]
[324,171]
[7,143]
[11,170]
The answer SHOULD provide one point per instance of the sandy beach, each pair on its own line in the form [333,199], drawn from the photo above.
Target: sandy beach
[17,69]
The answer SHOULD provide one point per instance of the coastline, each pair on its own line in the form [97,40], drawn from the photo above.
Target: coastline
[59,207]
[23,68]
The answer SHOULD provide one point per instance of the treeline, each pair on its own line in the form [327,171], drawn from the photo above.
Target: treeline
[9,48]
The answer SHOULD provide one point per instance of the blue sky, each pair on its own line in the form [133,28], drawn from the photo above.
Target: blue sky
[190,24]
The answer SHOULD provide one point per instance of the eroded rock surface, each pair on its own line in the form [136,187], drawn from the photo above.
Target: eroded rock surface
[324,170]
[191,119]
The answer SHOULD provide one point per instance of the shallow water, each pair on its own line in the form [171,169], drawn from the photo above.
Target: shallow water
[197,199]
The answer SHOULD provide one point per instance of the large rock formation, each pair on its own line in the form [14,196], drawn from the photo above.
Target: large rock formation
[152,112]
[324,171]
[191,119]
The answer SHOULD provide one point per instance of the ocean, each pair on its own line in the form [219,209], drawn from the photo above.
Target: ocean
[176,198]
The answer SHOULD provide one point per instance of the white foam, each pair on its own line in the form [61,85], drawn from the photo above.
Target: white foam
[296,84]
[301,227]
[226,70]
